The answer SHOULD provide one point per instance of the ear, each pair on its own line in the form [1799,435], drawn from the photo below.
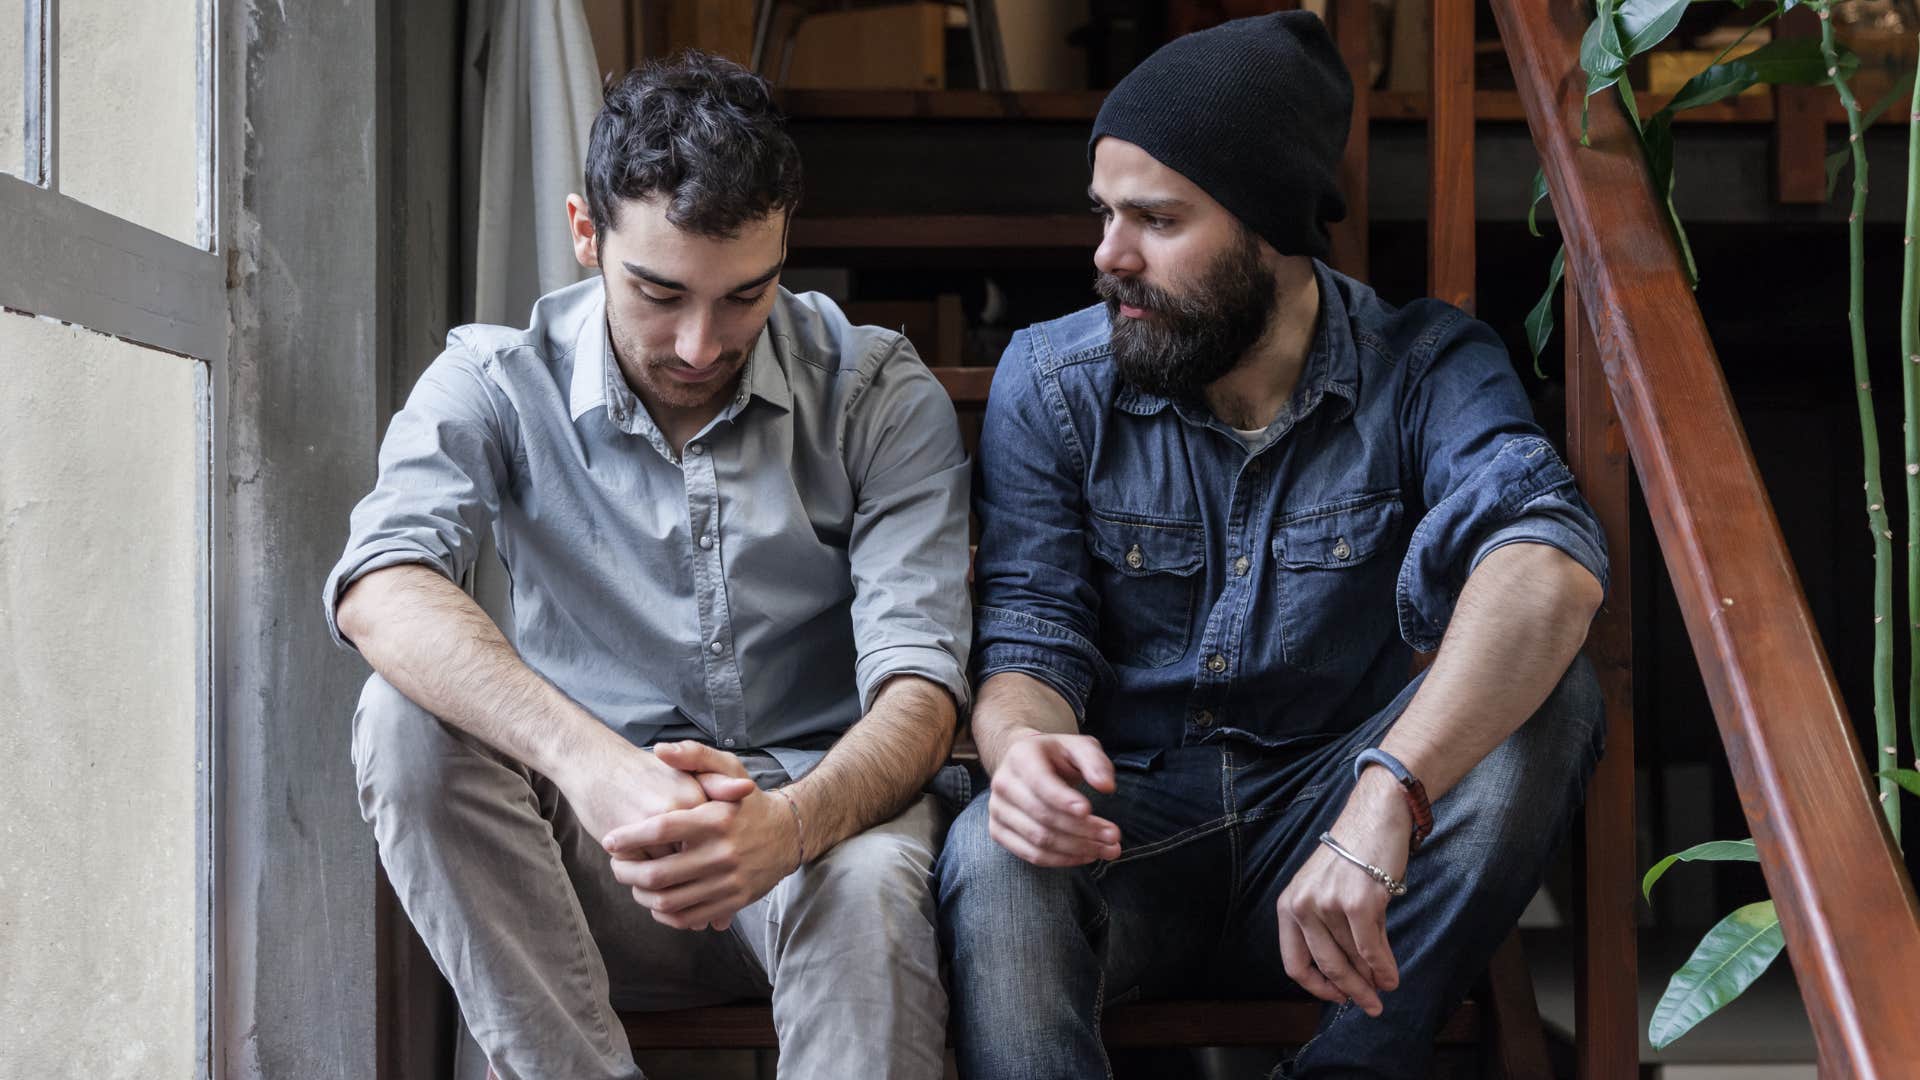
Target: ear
[580,226]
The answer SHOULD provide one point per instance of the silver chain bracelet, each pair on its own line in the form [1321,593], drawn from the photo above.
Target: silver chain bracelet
[1387,881]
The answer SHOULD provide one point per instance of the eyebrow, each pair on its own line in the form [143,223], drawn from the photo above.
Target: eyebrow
[1166,202]
[647,275]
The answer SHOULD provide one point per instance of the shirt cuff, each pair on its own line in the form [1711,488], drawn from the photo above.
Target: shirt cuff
[1015,641]
[929,662]
[358,565]
[1549,527]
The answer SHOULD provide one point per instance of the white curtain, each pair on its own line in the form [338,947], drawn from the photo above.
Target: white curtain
[532,89]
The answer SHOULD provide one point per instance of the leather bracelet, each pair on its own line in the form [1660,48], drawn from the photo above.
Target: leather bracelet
[1410,788]
[1393,885]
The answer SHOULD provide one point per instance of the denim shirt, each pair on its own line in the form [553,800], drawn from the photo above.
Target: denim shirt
[1178,585]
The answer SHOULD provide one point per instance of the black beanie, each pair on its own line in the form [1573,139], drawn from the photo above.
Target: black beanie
[1255,112]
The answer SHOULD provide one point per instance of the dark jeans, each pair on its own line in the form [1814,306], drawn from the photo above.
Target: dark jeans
[1210,836]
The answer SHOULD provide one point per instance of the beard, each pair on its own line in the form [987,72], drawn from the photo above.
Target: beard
[649,380]
[1188,340]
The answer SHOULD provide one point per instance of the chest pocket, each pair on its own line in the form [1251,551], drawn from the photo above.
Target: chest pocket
[1334,571]
[1149,575]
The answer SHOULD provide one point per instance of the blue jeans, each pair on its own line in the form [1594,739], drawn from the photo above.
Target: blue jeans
[1210,837]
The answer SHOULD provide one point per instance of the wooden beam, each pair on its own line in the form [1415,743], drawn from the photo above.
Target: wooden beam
[1800,124]
[1353,33]
[1606,964]
[1450,217]
[1847,908]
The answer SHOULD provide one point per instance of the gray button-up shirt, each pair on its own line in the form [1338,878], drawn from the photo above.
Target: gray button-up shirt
[752,593]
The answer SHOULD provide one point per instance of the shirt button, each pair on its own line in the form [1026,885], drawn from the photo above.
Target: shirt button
[1216,663]
[706,542]
[716,648]
[726,742]
[1241,565]
[696,449]
[1134,558]
[1203,718]
[1341,550]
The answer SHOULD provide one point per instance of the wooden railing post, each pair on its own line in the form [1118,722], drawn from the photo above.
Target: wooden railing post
[1847,908]
[1450,130]
[1606,979]
[1353,32]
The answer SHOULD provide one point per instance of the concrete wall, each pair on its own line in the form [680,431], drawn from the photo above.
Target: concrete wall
[12,84]
[303,225]
[100,574]
[128,109]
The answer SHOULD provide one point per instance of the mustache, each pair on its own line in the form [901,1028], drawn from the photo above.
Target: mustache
[1133,293]
[671,359]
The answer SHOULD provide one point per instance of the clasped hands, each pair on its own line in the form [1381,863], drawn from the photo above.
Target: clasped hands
[1332,916]
[691,834]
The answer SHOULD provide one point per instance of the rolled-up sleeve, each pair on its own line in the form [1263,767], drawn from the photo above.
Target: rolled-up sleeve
[1037,608]
[442,466]
[1487,473]
[908,547]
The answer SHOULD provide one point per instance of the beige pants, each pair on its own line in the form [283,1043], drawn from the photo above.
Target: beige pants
[542,945]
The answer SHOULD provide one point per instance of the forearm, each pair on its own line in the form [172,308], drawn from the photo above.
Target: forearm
[1012,705]
[436,646]
[879,765]
[1517,626]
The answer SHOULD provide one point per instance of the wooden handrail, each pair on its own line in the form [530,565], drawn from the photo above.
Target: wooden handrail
[1848,911]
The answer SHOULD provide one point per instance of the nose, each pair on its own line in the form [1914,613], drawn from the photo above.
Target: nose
[697,345]
[1118,254]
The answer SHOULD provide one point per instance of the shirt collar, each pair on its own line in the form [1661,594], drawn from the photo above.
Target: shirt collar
[1332,367]
[597,380]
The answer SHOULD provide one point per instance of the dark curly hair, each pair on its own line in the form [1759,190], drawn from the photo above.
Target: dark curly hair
[701,130]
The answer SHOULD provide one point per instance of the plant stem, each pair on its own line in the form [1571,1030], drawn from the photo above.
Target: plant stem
[1883,703]
[1910,384]
[1758,23]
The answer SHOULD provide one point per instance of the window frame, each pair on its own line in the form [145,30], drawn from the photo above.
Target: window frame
[78,264]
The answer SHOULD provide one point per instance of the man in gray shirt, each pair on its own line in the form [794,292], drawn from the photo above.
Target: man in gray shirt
[735,526]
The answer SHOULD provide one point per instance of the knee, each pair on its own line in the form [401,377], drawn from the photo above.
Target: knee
[978,882]
[1536,776]
[404,758]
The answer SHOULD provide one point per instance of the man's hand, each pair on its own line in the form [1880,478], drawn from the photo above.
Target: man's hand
[1037,813]
[696,868]
[619,784]
[1333,916]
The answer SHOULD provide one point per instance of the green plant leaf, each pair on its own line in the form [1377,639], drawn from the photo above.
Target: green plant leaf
[1540,319]
[1642,24]
[1733,954]
[1711,851]
[1906,778]
[1533,204]
[1796,62]
[1716,83]
[1601,54]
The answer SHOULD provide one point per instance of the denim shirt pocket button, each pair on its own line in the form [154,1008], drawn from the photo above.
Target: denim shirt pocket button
[1335,562]
[1148,574]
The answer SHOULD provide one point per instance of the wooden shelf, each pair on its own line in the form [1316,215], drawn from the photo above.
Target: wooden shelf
[998,231]
[1080,106]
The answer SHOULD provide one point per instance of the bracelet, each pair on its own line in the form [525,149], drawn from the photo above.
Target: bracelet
[1393,886]
[799,829]
[1410,788]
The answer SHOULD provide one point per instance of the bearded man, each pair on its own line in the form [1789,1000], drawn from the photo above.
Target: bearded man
[1219,513]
